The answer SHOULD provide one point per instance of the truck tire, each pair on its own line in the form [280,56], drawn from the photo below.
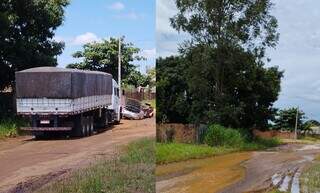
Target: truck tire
[107,121]
[84,127]
[79,129]
[91,125]
[87,126]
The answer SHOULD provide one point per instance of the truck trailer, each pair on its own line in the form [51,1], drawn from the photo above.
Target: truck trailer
[69,101]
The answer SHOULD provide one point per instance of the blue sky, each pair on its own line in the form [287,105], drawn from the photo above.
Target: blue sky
[88,21]
[298,51]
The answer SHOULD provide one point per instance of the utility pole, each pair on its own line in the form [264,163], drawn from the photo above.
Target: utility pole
[296,126]
[119,71]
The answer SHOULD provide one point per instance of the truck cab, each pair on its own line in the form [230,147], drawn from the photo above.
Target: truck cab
[115,107]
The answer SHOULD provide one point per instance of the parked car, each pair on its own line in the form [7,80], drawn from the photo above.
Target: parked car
[133,110]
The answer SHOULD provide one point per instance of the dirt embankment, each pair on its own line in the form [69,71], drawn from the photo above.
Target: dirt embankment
[26,164]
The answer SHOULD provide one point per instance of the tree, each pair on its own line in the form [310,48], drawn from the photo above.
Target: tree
[136,78]
[234,22]
[27,29]
[313,122]
[151,77]
[286,119]
[103,56]
[224,61]
[172,90]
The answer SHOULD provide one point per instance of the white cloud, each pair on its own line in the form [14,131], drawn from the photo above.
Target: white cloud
[167,38]
[132,15]
[85,38]
[117,6]
[149,53]
[78,40]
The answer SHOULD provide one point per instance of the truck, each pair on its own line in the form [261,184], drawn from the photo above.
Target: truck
[69,101]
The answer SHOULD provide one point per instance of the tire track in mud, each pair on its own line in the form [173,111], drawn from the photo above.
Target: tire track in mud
[279,169]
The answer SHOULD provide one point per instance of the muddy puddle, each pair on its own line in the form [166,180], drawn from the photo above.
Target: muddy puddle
[201,175]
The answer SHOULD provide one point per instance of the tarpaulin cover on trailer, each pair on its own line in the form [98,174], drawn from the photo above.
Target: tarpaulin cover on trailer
[53,82]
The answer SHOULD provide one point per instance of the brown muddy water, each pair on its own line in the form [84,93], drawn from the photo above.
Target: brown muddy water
[201,175]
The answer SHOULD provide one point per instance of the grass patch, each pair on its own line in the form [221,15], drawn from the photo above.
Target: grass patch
[276,191]
[260,144]
[218,139]
[173,152]
[241,139]
[309,180]
[302,140]
[132,171]
[9,127]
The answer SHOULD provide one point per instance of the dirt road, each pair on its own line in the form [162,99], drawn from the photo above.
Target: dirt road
[26,164]
[278,168]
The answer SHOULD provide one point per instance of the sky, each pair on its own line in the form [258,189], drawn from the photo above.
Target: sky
[297,53]
[89,21]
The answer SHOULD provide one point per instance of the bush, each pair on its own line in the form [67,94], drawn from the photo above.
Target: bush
[9,126]
[218,135]
[242,139]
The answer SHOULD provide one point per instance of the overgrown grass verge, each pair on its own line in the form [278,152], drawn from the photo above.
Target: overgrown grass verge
[309,180]
[260,144]
[173,152]
[9,127]
[218,140]
[132,171]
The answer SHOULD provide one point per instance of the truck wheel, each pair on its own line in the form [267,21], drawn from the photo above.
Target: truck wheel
[79,128]
[91,126]
[88,126]
[107,121]
[84,127]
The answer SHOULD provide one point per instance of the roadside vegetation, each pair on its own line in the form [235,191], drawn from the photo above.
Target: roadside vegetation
[132,171]
[218,140]
[303,140]
[9,127]
[309,179]
[276,191]
[174,152]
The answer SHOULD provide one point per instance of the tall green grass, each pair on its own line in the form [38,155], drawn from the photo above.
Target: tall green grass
[9,126]
[309,180]
[132,171]
[173,152]
[218,135]
[218,140]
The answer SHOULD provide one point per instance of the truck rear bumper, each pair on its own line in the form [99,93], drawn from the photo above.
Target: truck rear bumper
[46,128]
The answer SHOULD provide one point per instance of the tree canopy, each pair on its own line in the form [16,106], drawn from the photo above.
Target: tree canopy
[26,35]
[136,78]
[103,56]
[221,70]
[172,88]
[244,23]
[286,119]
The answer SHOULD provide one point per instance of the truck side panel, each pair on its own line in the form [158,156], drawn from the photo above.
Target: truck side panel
[29,106]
